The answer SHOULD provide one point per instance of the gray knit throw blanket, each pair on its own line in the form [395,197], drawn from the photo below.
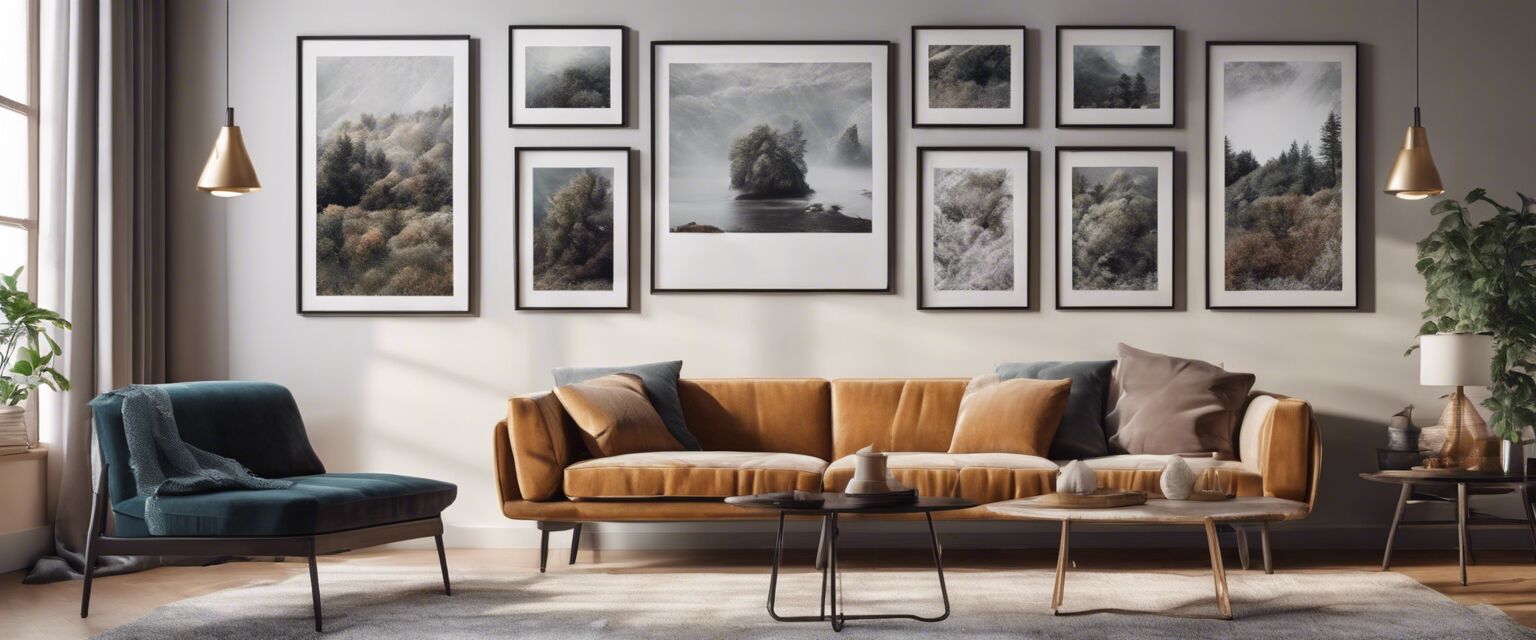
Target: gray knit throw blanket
[164,465]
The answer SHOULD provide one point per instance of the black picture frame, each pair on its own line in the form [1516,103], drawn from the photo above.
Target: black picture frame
[1210,211]
[1174,230]
[630,167]
[1023,77]
[1173,61]
[472,298]
[890,169]
[624,81]
[1032,223]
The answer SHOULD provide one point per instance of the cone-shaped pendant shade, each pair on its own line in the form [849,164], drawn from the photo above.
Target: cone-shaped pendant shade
[229,171]
[1414,175]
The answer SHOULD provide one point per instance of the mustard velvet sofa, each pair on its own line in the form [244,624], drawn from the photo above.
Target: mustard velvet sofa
[762,435]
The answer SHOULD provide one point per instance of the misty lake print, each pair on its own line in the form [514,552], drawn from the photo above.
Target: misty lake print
[779,147]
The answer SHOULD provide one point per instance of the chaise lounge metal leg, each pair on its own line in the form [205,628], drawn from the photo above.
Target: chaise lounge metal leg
[93,530]
[575,542]
[442,559]
[314,584]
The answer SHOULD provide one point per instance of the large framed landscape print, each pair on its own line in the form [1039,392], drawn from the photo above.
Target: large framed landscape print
[1114,228]
[1115,77]
[771,166]
[968,76]
[383,174]
[973,227]
[573,228]
[1282,199]
[568,76]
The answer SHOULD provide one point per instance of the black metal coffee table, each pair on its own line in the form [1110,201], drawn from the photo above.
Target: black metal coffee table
[834,505]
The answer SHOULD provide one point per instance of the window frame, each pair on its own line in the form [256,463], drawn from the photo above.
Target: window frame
[27,107]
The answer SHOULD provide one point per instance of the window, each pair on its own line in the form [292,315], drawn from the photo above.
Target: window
[18,137]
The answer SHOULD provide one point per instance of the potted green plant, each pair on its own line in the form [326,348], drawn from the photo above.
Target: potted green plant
[27,355]
[1481,278]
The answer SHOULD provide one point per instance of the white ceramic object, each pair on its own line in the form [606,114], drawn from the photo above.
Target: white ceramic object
[869,472]
[1178,479]
[1076,478]
[13,426]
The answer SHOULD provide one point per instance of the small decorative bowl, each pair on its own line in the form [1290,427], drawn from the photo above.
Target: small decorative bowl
[1389,460]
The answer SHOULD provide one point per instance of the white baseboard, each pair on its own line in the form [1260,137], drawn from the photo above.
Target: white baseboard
[19,549]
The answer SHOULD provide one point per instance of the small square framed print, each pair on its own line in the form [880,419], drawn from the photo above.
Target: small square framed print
[573,228]
[1115,77]
[568,76]
[968,76]
[1114,228]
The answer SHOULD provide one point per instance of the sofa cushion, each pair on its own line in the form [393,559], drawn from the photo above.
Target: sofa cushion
[1142,472]
[614,417]
[314,504]
[983,477]
[894,414]
[1176,405]
[1081,434]
[660,380]
[1012,416]
[691,474]
[781,415]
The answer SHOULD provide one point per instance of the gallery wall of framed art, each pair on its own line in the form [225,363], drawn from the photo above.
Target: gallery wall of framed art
[384,188]
[772,166]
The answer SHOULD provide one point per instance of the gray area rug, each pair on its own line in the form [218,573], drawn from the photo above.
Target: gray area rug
[375,603]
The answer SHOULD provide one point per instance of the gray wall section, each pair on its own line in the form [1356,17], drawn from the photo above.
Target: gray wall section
[419,395]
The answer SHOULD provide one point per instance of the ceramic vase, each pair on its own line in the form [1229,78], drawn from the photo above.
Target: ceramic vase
[1076,478]
[869,472]
[13,426]
[1178,479]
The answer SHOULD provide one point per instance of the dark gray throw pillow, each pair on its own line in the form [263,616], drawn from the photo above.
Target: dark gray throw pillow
[1081,434]
[660,380]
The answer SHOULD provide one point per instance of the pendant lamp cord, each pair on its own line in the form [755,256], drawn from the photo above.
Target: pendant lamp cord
[229,112]
[1417,36]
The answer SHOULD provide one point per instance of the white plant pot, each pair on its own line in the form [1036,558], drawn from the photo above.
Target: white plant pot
[13,426]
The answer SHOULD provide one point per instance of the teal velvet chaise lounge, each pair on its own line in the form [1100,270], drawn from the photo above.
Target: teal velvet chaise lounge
[257,424]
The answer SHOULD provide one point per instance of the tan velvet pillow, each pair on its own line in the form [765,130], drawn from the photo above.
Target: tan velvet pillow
[1175,405]
[615,417]
[1009,416]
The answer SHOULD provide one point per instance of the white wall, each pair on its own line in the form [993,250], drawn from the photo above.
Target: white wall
[419,396]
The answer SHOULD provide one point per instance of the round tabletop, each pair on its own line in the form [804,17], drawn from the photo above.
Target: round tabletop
[841,503]
[1450,476]
[1162,511]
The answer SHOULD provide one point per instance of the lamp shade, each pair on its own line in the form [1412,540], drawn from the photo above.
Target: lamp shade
[1455,359]
[1414,175]
[229,171]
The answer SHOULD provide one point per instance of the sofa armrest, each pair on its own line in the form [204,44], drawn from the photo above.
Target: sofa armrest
[1279,439]
[536,449]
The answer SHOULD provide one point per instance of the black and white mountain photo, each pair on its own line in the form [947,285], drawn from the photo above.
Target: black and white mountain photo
[384,175]
[1114,228]
[973,229]
[1116,76]
[567,77]
[1284,153]
[573,229]
[969,76]
[779,147]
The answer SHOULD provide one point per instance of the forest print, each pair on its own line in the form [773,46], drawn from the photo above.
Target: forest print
[573,229]
[1283,172]
[1116,76]
[969,76]
[1114,228]
[384,176]
[973,229]
[568,78]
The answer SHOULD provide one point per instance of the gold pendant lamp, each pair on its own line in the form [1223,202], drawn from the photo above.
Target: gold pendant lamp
[229,171]
[1414,176]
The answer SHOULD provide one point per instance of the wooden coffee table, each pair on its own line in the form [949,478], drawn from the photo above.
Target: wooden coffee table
[836,504]
[1163,512]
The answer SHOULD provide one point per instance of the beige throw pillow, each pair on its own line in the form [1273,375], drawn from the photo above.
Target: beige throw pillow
[615,417]
[1175,405]
[1009,416]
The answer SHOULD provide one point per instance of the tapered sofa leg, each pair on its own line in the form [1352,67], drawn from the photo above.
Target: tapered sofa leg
[575,542]
[543,549]
[314,584]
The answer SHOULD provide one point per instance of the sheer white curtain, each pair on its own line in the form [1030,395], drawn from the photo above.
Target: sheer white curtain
[102,124]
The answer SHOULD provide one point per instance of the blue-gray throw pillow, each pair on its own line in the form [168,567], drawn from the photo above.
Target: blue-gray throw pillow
[660,379]
[1081,434]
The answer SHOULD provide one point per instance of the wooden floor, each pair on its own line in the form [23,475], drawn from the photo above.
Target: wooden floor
[1504,579]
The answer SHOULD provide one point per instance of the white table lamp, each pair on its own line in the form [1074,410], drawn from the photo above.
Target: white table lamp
[1460,360]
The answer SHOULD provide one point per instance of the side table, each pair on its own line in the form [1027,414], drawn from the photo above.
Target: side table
[1478,483]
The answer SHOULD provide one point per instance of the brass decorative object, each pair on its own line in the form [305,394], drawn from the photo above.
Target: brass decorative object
[1413,175]
[1469,444]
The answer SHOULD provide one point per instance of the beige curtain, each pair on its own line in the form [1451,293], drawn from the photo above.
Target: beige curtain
[102,231]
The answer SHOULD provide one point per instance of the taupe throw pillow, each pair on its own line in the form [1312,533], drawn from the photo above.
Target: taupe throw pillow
[1009,416]
[615,417]
[1173,405]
